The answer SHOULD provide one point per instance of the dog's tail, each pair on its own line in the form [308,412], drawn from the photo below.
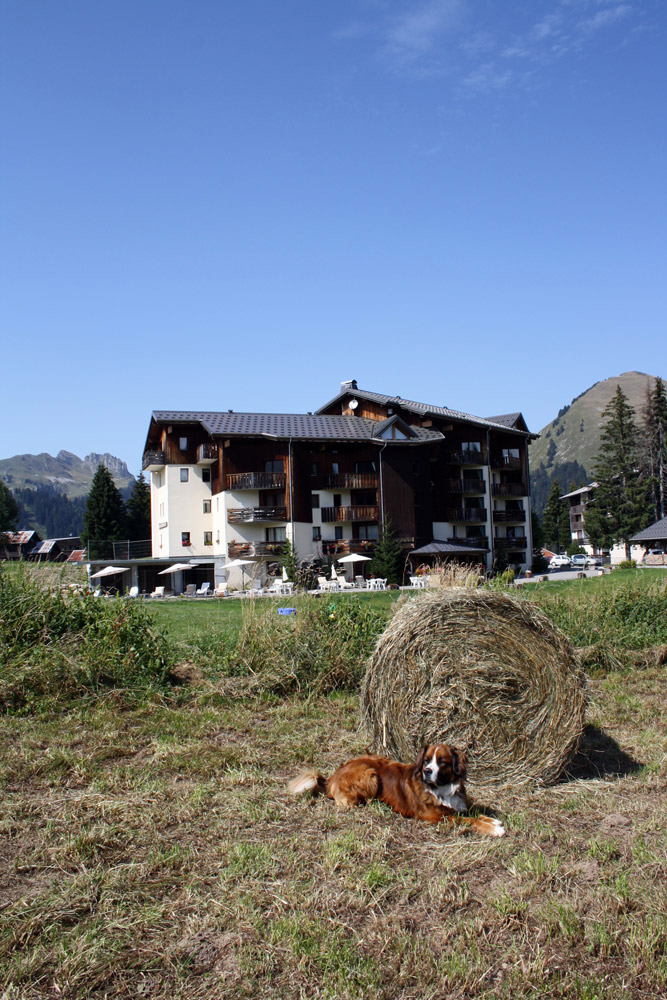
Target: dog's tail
[308,781]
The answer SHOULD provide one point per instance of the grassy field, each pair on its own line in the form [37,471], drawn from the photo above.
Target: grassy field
[150,850]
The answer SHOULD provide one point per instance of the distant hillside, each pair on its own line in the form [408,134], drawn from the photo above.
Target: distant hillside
[67,473]
[567,447]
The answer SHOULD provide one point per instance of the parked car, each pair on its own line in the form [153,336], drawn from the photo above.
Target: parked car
[559,562]
[579,561]
[594,560]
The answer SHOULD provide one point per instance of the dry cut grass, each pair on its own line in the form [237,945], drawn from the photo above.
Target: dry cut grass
[153,852]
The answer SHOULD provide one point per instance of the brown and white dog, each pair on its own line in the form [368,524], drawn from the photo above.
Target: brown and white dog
[432,789]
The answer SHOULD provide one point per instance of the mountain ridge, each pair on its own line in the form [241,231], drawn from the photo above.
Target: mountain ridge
[65,471]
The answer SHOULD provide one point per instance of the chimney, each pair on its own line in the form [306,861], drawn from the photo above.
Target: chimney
[350,385]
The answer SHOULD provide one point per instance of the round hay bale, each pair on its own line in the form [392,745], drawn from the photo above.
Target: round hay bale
[484,671]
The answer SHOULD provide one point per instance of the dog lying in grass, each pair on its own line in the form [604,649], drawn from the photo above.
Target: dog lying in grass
[432,789]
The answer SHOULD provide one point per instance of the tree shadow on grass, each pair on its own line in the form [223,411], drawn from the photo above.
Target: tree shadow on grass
[599,756]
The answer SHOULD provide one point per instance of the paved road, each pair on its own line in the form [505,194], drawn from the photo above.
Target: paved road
[559,574]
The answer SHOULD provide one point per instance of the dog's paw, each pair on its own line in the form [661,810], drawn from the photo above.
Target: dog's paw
[496,828]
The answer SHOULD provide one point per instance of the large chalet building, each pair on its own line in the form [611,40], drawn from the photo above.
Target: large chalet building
[240,485]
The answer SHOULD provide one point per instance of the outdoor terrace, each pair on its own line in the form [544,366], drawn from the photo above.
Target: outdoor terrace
[256,481]
[361,513]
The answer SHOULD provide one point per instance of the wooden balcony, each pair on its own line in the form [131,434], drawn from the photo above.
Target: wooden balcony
[466,456]
[362,513]
[153,461]
[510,490]
[577,508]
[255,515]
[500,461]
[347,546]
[255,550]
[462,514]
[471,543]
[257,481]
[510,543]
[349,481]
[471,486]
[509,516]
[207,454]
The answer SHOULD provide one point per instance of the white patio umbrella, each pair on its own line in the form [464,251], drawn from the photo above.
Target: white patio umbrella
[109,571]
[176,568]
[285,576]
[241,563]
[334,575]
[354,557]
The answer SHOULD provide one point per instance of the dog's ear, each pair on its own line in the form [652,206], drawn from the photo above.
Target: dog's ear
[420,760]
[459,762]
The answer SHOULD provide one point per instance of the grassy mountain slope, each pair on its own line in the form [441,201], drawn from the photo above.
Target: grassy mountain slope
[576,432]
[66,472]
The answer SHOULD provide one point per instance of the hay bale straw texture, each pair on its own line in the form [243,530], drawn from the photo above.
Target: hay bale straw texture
[484,671]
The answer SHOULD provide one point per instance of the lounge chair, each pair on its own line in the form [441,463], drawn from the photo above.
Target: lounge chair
[191,590]
[133,592]
[323,583]
[256,588]
[204,590]
[158,592]
[221,589]
[359,582]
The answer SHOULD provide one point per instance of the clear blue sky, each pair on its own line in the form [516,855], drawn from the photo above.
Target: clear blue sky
[240,203]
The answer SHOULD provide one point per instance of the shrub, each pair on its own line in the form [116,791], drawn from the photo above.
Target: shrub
[58,647]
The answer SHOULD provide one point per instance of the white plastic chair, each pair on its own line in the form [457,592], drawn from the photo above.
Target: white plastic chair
[203,590]
[133,592]
[158,592]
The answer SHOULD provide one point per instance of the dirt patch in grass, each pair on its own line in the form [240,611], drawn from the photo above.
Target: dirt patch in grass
[155,852]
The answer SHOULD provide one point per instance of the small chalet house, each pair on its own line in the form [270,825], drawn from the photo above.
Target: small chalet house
[240,485]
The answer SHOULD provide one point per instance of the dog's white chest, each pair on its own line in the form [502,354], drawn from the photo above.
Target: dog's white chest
[448,795]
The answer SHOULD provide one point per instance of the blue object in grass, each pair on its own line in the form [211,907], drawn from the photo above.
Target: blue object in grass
[286,611]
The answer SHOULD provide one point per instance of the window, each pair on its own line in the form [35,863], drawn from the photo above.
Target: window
[206,506]
[272,499]
[314,500]
[276,535]
[276,465]
[208,538]
[183,444]
[313,468]
[364,467]
[334,468]
[185,538]
[338,532]
[317,534]
[469,446]
[185,475]
[206,475]
[367,531]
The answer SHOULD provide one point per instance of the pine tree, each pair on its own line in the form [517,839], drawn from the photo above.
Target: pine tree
[9,509]
[138,510]
[551,519]
[104,517]
[654,457]
[619,508]
[387,560]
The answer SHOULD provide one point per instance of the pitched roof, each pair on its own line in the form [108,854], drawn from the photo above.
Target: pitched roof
[424,409]
[302,426]
[655,532]
[445,548]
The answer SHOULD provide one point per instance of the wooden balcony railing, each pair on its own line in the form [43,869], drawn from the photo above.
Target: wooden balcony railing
[471,543]
[466,456]
[252,515]
[153,460]
[578,508]
[257,481]
[207,453]
[466,486]
[347,546]
[515,516]
[510,490]
[257,550]
[500,461]
[510,543]
[461,514]
[349,481]
[362,513]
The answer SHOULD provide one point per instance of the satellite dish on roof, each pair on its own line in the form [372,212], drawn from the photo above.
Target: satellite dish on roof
[353,404]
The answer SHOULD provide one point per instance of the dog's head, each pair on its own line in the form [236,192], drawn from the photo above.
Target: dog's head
[440,765]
